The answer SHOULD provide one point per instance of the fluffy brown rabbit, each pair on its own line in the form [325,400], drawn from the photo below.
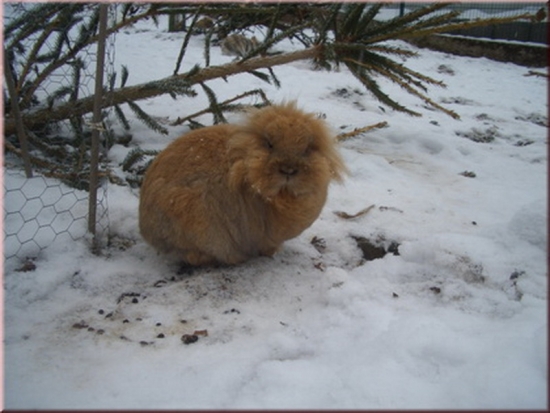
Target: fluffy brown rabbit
[227,193]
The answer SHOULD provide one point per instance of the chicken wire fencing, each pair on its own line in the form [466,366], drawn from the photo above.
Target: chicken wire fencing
[534,31]
[51,61]
[39,210]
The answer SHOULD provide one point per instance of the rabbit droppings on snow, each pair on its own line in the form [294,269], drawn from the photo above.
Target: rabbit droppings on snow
[227,193]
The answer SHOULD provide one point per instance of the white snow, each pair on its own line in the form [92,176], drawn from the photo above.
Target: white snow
[457,320]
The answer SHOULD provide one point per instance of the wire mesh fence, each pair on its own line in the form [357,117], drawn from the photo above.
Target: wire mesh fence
[483,10]
[52,61]
[38,211]
[534,31]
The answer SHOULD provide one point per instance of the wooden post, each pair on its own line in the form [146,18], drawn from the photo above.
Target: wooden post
[96,125]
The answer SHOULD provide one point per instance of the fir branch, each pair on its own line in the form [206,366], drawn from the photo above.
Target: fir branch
[121,117]
[49,148]
[78,132]
[367,19]
[193,124]
[69,14]
[124,75]
[274,20]
[401,21]
[226,105]
[413,31]
[403,32]
[343,49]
[186,41]
[146,119]
[393,77]
[37,161]
[192,72]
[77,66]
[134,156]
[350,24]
[376,60]
[354,36]
[58,94]
[260,75]
[425,98]
[174,85]
[88,30]
[30,22]
[362,75]
[392,50]
[111,80]
[358,46]
[31,58]
[436,20]
[214,106]
[274,78]
[207,43]
[155,19]
[49,69]
[422,77]
[57,48]
[151,89]
[127,9]
[330,21]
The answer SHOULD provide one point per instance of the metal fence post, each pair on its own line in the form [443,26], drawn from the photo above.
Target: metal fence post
[96,126]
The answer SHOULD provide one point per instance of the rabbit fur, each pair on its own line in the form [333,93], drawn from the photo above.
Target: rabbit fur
[226,193]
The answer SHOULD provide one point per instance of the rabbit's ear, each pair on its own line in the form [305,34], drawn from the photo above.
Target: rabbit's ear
[237,175]
[337,166]
[327,146]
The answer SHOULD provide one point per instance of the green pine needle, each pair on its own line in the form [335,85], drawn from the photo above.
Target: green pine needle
[260,75]
[146,119]
[274,78]
[214,106]
[186,40]
[124,76]
[122,117]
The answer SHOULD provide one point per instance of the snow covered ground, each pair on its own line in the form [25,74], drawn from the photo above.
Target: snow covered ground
[456,319]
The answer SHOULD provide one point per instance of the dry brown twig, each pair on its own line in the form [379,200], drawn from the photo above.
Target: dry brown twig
[356,131]
[345,215]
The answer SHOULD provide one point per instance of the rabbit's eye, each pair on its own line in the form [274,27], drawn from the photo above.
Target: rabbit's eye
[268,143]
[309,150]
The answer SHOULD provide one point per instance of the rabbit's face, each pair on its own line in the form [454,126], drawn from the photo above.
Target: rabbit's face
[286,157]
[282,149]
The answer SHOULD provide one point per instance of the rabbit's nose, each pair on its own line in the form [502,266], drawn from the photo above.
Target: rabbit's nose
[288,170]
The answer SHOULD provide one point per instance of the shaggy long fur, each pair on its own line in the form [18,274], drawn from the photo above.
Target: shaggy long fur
[227,193]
